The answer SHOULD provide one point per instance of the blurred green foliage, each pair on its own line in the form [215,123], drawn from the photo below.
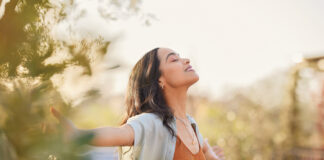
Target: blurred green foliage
[27,130]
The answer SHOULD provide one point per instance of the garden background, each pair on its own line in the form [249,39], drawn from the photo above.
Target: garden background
[260,93]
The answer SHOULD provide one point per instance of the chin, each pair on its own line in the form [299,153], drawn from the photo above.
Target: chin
[197,79]
[194,79]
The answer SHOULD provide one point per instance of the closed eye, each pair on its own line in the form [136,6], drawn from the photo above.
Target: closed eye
[174,60]
[171,54]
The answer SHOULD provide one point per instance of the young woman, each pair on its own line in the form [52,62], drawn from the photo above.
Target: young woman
[156,123]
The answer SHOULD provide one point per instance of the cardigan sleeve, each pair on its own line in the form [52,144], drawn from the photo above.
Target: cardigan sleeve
[139,126]
[149,136]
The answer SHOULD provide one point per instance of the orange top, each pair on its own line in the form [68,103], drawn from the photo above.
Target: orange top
[183,153]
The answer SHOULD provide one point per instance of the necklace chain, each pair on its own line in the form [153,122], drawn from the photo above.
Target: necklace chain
[186,125]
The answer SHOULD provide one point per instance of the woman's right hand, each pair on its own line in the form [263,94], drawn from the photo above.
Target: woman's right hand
[69,129]
[103,136]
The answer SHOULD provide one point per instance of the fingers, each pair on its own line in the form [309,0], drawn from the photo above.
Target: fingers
[69,129]
[59,116]
[217,149]
[55,113]
[219,152]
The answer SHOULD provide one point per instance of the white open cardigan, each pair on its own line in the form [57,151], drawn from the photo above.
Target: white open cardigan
[152,140]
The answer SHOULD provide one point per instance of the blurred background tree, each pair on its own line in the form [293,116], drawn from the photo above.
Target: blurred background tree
[273,118]
[27,50]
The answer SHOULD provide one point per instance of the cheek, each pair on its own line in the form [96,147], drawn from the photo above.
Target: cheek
[174,72]
[175,76]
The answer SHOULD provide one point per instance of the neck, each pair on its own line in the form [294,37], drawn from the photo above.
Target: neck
[176,99]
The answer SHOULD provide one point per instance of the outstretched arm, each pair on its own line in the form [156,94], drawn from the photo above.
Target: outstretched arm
[103,136]
[110,136]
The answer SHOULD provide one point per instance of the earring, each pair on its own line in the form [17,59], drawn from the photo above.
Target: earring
[162,86]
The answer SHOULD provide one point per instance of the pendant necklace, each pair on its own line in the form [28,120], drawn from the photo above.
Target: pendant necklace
[192,136]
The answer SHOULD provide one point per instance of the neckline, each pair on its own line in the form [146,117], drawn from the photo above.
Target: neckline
[194,154]
[187,146]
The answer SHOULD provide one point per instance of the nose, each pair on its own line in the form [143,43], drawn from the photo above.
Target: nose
[187,61]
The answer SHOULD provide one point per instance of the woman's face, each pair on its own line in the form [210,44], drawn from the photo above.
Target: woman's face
[175,71]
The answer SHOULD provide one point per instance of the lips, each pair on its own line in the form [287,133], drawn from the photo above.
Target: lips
[188,68]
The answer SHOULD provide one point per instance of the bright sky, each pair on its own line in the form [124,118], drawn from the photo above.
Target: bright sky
[2,7]
[230,43]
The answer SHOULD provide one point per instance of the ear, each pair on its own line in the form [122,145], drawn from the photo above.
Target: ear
[161,81]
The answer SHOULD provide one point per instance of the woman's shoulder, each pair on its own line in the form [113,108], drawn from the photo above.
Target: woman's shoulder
[146,118]
[191,119]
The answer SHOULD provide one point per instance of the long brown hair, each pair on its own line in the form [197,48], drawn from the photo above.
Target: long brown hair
[144,94]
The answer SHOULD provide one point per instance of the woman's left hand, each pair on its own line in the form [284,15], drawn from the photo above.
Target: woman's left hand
[214,152]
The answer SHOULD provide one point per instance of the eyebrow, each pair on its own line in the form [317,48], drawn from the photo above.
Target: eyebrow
[170,54]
